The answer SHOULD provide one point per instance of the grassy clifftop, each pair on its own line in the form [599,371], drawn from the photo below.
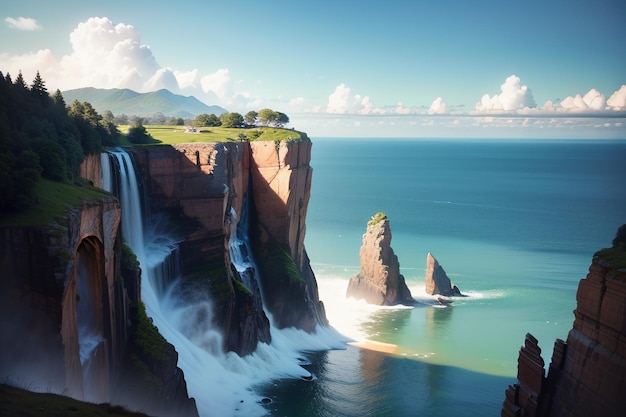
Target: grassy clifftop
[170,135]
[52,199]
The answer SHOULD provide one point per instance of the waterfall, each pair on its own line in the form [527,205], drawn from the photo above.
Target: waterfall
[241,253]
[221,382]
[89,336]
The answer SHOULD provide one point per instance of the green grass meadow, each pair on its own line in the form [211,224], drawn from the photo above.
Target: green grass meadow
[171,135]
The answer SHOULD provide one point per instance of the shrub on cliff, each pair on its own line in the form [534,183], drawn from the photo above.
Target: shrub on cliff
[377,218]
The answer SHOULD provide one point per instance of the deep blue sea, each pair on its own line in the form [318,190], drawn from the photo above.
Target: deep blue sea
[514,223]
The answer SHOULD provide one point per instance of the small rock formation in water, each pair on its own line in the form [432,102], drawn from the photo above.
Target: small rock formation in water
[587,373]
[437,281]
[379,281]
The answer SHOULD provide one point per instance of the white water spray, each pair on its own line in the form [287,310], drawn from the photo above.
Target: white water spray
[221,383]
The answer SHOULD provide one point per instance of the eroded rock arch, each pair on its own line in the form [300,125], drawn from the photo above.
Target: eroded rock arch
[84,327]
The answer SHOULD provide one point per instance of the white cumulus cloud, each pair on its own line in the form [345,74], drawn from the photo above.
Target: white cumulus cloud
[402,109]
[592,101]
[617,101]
[23,23]
[219,83]
[338,101]
[105,55]
[513,97]
[108,55]
[341,101]
[437,107]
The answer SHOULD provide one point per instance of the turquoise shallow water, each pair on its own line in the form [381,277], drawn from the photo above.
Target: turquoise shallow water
[514,223]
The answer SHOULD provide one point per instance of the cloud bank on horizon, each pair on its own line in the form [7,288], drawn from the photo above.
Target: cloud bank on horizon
[108,55]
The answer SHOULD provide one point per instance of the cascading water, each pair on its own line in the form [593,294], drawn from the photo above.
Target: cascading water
[89,333]
[221,382]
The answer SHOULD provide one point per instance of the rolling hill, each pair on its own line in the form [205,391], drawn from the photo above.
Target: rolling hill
[131,103]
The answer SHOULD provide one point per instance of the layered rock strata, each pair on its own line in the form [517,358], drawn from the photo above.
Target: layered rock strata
[587,372]
[437,281]
[379,280]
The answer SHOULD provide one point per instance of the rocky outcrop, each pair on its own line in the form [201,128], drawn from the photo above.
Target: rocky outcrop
[587,372]
[437,281]
[379,280]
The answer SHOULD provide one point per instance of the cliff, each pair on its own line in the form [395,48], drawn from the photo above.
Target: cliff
[437,281]
[379,280]
[281,188]
[65,324]
[71,313]
[40,306]
[261,189]
[587,372]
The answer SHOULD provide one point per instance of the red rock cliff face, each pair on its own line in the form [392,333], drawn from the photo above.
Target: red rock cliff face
[587,373]
[281,184]
[207,183]
[39,304]
[281,187]
[91,169]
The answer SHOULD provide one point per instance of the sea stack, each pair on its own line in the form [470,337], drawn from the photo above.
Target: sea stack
[437,281]
[379,281]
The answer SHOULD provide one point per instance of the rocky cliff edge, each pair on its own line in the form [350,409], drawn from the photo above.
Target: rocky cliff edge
[587,372]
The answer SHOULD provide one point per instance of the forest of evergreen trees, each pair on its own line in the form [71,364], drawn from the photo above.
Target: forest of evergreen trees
[41,136]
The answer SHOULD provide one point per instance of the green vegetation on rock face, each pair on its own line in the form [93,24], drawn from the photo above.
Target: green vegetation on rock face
[148,349]
[275,261]
[52,200]
[377,218]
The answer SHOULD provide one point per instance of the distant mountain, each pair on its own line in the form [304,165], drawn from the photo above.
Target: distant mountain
[131,103]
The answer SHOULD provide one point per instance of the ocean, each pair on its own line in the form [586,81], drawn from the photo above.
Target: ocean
[514,223]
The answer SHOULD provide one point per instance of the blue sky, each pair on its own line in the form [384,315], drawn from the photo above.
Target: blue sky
[416,68]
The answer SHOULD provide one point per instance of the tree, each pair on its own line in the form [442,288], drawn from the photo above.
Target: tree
[108,116]
[122,119]
[19,81]
[282,119]
[207,120]
[158,118]
[231,119]
[250,117]
[267,116]
[58,99]
[138,133]
[38,87]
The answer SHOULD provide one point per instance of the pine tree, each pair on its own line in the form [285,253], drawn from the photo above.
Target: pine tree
[19,81]
[38,86]
[58,99]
